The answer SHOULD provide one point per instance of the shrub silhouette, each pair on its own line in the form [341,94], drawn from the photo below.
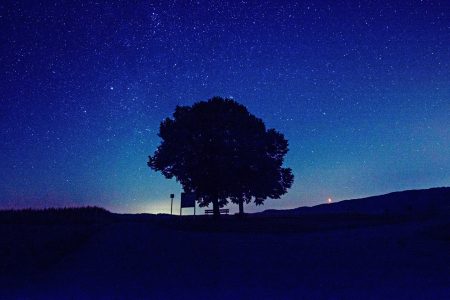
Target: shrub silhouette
[67,215]
[220,151]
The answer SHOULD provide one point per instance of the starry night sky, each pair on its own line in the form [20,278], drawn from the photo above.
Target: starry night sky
[360,89]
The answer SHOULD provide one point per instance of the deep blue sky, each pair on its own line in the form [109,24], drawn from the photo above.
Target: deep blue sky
[360,89]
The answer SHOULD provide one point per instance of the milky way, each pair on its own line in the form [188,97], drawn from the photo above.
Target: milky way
[361,91]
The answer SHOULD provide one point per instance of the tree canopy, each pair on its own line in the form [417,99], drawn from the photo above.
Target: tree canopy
[220,151]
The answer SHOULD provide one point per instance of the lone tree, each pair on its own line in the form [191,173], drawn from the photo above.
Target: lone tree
[220,151]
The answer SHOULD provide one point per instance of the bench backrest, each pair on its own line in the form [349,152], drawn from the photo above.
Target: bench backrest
[222,210]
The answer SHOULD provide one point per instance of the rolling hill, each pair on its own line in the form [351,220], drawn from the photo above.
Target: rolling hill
[418,202]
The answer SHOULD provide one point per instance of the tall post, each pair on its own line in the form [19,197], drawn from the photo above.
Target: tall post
[171,202]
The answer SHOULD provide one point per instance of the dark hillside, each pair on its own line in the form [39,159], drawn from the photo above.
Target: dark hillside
[414,202]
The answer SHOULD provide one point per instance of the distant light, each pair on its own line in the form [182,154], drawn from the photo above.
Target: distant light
[329,200]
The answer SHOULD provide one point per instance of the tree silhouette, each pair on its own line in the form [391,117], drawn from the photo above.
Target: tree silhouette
[220,151]
[266,178]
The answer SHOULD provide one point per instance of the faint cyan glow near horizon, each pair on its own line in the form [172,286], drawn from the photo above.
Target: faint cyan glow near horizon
[329,200]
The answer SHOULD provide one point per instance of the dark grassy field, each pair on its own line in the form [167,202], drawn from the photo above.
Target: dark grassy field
[90,253]
[33,241]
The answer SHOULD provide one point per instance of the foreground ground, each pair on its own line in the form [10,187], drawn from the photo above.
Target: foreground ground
[151,257]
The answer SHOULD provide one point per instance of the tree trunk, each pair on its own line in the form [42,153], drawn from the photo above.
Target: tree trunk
[216,208]
[241,207]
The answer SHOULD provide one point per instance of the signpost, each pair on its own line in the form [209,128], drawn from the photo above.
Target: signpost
[171,202]
[188,200]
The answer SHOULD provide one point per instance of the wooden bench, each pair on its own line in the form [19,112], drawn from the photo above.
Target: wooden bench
[221,211]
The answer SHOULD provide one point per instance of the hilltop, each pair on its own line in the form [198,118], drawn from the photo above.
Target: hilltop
[351,249]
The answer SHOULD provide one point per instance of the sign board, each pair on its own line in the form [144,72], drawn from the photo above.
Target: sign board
[188,199]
